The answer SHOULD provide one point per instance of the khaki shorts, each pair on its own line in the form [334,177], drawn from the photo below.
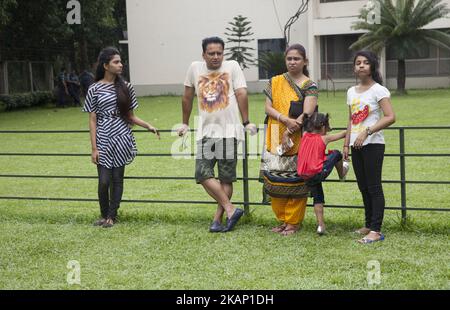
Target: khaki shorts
[211,151]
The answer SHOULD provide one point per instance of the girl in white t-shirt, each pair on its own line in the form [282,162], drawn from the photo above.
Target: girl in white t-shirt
[370,111]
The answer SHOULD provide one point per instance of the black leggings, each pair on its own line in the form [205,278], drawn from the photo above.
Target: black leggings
[368,163]
[110,193]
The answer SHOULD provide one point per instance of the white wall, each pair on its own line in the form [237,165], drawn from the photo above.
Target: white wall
[165,36]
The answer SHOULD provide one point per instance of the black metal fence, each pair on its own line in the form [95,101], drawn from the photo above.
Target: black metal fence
[246,197]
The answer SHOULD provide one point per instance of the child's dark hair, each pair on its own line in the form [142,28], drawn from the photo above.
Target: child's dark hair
[374,65]
[316,121]
[123,95]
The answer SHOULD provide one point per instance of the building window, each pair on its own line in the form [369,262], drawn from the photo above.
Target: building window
[272,51]
[336,57]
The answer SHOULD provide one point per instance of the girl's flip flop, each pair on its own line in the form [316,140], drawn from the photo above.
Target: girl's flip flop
[366,240]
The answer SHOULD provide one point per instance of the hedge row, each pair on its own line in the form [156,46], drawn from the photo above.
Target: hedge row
[26,100]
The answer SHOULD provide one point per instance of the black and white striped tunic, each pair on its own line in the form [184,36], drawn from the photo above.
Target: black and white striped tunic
[115,141]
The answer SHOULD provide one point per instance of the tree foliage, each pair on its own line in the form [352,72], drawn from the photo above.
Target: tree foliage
[5,7]
[38,30]
[401,28]
[238,34]
[273,63]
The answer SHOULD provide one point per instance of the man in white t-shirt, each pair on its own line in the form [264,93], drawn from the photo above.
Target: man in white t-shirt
[222,93]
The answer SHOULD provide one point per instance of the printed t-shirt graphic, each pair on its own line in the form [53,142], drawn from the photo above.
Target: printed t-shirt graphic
[213,91]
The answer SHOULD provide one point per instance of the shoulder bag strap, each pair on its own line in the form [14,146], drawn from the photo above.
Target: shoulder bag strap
[294,86]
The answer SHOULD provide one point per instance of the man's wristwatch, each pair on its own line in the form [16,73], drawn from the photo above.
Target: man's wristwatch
[369,132]
[246,123]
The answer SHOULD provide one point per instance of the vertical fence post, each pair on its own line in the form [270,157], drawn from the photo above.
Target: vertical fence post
[30,72]
[245,176]
[51,74]
[402,174]
[6,77]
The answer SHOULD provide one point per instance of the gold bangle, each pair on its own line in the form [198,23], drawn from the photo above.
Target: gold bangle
[278,117]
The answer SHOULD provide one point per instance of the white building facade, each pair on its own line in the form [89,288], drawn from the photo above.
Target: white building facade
[164,37]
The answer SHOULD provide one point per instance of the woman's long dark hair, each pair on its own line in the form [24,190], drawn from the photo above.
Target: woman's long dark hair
[374,65]
[123,95]
[302,51]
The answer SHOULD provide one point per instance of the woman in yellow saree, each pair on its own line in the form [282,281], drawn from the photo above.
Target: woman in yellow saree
[293,85]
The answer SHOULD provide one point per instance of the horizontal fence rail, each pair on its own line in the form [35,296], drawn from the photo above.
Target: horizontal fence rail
[245,178]
[31,176]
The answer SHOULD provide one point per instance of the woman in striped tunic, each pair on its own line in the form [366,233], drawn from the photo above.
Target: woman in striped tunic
[110,103]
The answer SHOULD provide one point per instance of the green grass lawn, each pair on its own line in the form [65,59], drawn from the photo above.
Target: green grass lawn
[167,246]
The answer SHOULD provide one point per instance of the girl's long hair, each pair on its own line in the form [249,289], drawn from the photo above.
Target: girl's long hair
[123,95]
[301,50]
[374,65]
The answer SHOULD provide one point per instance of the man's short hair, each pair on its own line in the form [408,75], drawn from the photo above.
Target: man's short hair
[211,40]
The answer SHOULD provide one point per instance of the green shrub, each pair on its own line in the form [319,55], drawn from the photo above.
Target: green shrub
[273,63]
[25,100]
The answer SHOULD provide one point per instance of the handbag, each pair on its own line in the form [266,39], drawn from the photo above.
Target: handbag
[295,109]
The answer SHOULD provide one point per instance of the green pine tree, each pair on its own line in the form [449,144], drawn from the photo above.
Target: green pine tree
[238,34]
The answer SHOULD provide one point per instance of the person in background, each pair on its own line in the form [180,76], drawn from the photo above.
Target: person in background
[73,86]
[62,88]
[86,80]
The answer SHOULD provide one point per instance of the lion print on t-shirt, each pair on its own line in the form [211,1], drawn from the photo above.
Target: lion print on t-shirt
[213,91]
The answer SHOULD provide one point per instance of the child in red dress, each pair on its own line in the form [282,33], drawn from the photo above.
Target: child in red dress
[314,166]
